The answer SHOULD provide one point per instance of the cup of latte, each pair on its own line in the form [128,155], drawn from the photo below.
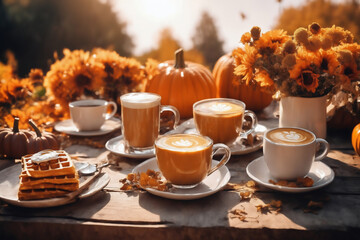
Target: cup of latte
[90,115]
[140,115]
[222,119]
[289,152]
[185,159]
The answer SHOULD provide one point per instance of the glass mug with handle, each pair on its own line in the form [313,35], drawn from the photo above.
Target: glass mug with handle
[185,160]
[140,115]
[222,119]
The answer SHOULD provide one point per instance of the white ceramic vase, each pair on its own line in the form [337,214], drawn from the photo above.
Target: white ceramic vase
[308,113]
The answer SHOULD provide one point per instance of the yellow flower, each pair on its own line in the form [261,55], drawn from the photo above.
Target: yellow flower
[246,59]
[329,62]
[263,78]
[69,77]
[246,38]
[272,40]
[304,59]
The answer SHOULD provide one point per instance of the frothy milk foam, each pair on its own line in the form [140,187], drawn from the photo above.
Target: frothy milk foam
[290,136]
[140,100]
[183,143]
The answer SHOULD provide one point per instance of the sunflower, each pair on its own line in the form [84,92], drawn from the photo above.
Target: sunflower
[304,60]
[329,62]
[122,74]
[77,73]
[271,41]
[263,78]
[245,60]
[308,80]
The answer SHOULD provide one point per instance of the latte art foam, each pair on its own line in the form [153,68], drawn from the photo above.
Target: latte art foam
[218,107]
[183,142]
[290,136]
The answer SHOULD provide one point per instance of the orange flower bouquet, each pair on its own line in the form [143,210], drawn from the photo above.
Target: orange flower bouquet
[316,62]
[311,63]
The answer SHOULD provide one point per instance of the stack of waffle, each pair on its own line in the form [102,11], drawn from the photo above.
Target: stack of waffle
[47,174]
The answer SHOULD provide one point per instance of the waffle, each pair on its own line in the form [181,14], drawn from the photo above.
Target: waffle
[54,177]
[55,167]
[32,194]
[63,179]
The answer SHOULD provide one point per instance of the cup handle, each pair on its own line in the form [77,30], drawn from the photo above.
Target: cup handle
[254,122]
[326,149]
[110,115]
[224,159]
[172,109]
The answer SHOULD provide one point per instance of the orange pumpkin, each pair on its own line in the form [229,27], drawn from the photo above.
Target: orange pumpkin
[227,87]
[13,142]
[355,138]
[181,84]
[41,140]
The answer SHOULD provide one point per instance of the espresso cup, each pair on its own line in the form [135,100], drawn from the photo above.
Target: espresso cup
[222,119]
[90,115]
[186,159]
[289,152]
[140,115]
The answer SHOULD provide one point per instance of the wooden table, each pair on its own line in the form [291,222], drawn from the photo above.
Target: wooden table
[112,213]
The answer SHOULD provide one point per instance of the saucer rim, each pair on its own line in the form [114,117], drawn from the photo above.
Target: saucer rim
[289,189]
[87,133]
[247,150]
[117,139]
[191,196]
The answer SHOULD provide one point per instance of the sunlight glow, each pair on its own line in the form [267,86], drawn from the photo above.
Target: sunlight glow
[160,9]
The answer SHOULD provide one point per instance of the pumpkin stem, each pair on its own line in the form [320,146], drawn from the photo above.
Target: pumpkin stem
[16,125]
[179,59]
[36,129]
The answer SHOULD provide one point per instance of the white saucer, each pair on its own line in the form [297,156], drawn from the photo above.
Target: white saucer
[236,149]
[210,185]
[321,173]
[68,127]
[117,145]
[9,186]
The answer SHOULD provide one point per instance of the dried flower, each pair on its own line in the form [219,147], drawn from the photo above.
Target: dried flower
[314,28]
[255,33]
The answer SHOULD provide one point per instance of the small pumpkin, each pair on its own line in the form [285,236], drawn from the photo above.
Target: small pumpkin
[13,142]
[41,140]
[355,138]
[226,86]
[343,119]
[181,84]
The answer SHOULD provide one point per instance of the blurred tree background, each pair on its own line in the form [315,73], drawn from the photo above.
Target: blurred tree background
[345,14]
[34,29]
[166,47]
[206,40]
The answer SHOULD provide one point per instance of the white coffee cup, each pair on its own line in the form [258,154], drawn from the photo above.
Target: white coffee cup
[289,152]
[90,115]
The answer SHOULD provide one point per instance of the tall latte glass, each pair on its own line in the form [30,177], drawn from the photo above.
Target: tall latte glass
[186,159]
[222,119]
[140,115]
[290,152]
